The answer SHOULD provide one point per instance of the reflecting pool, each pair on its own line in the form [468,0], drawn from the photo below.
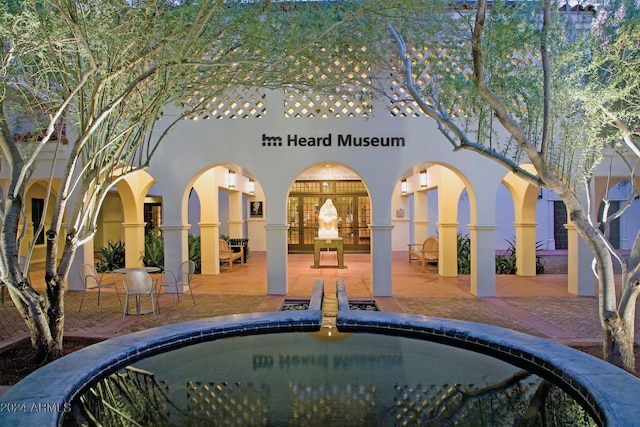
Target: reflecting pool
[326,378]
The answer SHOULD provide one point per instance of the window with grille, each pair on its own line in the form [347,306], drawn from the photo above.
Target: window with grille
[37,209]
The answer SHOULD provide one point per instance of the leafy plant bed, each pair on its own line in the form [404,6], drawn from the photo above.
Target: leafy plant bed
[19,361]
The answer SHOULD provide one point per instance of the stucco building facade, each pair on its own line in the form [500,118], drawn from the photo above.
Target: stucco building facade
[264,162]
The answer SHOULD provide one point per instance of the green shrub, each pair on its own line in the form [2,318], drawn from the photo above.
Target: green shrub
[154,249]
[194,251]
[464,254]
[110,257]
[539,263]
[505,263]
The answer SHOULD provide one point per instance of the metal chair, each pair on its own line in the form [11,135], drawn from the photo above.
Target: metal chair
[91,280]
[179,280]
[138,283]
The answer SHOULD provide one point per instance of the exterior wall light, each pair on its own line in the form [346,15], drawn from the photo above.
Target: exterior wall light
[403,186]
[423,178]
[252,187]
[232,179]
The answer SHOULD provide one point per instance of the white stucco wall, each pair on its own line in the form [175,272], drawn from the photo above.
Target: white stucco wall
[194,147]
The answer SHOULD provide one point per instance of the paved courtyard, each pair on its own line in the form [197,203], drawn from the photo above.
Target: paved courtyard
[539,306]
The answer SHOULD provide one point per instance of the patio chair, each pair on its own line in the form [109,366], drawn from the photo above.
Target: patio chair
[179,280]
[138,283]
[227,255]
[91,280]
[426,253]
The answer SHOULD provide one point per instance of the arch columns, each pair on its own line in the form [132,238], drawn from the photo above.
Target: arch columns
[525,200]
[420,217]
[207,188]
[381,252]
[580,278]
[134,236]
[483,260]
[236,229]
[450,187]
[176,246]
[448,254]
[209,248]
[235,215]
[277,258]
[525,248]
[83,255]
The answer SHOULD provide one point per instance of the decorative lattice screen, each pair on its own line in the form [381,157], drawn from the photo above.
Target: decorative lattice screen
[240,103]
[427,63]
[300,104]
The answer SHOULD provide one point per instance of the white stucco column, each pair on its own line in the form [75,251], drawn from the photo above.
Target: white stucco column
[381,272]
[525,248]
[277,260]
[483,260]
[420,217]
[209,247]
[83,255]
[236,222]
[448,253]
[134,238]
[176,246]
[580,278]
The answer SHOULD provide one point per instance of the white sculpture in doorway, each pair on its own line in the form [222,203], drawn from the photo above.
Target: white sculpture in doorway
[328,221]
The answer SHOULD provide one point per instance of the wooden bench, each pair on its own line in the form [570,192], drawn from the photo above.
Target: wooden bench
[426,252]
[227,255]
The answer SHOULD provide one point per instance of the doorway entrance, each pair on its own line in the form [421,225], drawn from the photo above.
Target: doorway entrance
[351,199]
[560,234]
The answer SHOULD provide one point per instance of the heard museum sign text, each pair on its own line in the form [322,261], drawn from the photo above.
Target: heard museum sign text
[331,140]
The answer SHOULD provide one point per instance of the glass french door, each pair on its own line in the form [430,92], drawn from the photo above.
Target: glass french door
[354,215]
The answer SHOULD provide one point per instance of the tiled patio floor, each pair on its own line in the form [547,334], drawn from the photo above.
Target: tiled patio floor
[538,306]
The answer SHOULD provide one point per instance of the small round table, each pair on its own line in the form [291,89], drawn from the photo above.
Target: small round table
[130,269]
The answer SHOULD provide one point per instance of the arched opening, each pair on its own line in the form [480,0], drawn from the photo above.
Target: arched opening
[35,203]
[442,207]
[220,205]
[311,189]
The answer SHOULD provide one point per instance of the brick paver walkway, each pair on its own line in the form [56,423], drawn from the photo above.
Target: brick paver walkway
[563,319]
[536,306]
[109,320]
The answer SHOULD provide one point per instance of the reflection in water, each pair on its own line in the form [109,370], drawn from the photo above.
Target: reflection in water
[298,379]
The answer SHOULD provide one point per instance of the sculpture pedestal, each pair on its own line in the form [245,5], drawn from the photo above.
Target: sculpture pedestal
[328,244]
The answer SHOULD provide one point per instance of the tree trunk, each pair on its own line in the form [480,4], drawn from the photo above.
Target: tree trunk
[55,313]
[617,324]
[55,278]
[31,306]
[617,344]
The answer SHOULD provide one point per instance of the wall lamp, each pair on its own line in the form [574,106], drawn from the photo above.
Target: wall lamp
[252,187]
[423,178]
[403,186]
[232,179]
